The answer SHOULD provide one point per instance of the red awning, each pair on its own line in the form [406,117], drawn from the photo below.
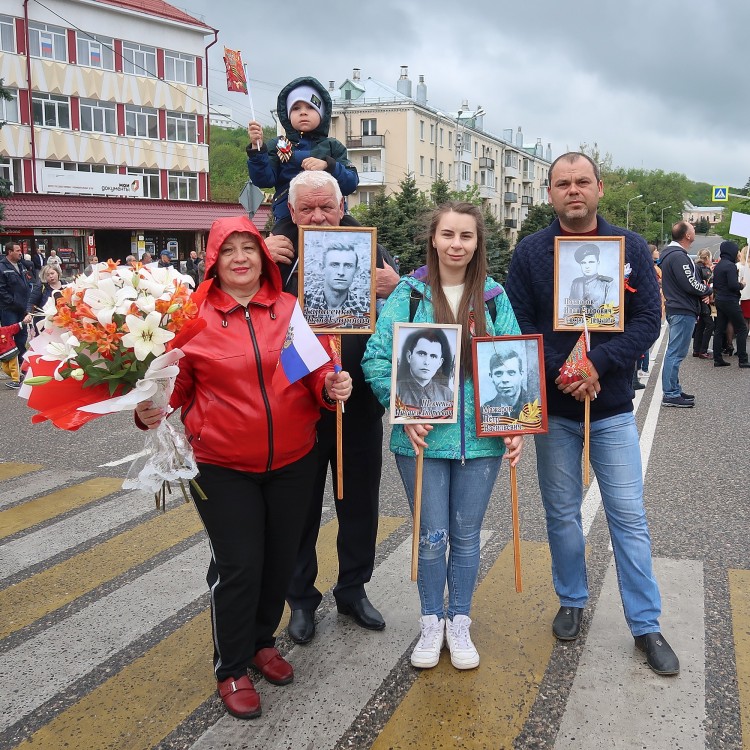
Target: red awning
[27,210]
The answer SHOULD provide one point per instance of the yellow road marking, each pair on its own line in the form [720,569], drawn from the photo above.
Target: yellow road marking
[147,699]
[328,561]
[739,597]
[55,504]
[144,702]
[51,589]
[488,706]
[13,469]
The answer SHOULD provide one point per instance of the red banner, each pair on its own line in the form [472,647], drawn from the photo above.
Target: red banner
[236,80]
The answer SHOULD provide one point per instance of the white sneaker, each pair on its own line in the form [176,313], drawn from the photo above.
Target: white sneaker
[426,653]
[463,653]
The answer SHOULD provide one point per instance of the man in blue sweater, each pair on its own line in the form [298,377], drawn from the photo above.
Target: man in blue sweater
[575,190]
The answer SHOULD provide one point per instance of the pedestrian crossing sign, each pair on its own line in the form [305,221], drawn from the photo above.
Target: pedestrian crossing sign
[720,193]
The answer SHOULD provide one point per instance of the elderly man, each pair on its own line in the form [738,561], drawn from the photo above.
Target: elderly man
[315,199]
[15,279]
[683,291]
[575,190]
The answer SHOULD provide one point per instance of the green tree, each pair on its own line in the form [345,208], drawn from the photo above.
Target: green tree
[498,248]
[538,217]
[702,226]
[227,162]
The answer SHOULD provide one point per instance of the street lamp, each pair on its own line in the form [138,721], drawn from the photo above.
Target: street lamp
[653,203]
[627,219]
[661,236]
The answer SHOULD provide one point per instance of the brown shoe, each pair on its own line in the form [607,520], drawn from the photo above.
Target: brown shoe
[239,697]
[273,666]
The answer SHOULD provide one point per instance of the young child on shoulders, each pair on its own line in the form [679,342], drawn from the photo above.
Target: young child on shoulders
[304,110]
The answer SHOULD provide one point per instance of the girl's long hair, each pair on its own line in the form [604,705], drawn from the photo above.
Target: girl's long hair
[472,300]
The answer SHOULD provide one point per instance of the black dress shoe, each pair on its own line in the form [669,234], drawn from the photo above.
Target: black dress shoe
[744,364]
[659,654]
[721,363]
[567,623]
[301,626]
[363,613]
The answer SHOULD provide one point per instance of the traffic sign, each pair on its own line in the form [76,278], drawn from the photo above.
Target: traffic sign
[251,197]
[720,193]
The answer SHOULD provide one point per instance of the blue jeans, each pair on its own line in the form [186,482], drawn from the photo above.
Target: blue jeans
[454,501]
[681,329]
[616,459]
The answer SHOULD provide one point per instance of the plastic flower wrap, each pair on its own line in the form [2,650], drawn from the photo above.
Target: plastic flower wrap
[111,340]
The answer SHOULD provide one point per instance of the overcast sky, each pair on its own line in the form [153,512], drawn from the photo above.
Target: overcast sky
[659,84]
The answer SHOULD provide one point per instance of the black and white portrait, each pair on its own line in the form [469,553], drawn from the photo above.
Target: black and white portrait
[589,277]
[509,385]
[337,289]
[424,385]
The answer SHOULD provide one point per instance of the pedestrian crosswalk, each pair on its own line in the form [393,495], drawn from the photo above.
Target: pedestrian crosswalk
[105,643]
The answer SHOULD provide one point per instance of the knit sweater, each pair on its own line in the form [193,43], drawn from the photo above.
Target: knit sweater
[530,288]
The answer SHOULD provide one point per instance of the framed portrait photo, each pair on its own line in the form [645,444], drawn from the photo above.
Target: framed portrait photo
[337,278]
[590,281]
[424,379]
[509,391]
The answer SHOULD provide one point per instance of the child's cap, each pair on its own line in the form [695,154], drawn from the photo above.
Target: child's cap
[308,95]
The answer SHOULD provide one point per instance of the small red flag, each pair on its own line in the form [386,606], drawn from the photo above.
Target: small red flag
[236,80]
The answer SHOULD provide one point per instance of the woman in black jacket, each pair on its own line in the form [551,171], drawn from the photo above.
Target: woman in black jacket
[727,287]
[704,328]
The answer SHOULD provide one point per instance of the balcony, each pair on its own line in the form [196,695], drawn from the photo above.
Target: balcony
[511,173]
[511,223]
[528,176]
[486,191]
[527,200]
[370,177]
[486,163]
[366,141]
[511,198]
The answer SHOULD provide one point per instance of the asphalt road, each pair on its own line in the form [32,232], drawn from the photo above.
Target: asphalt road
[105,638]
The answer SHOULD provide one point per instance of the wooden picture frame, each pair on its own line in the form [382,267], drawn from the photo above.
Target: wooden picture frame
[425,371]
[590,277]
[510,397]
[340,262]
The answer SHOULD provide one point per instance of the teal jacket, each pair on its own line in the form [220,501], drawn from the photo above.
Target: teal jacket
[454,441]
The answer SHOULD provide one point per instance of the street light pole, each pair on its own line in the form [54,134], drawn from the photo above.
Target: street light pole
[661,236]
[627,218]
[653,203]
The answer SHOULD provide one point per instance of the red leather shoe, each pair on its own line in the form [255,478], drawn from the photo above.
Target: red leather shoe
[270,663]
[240,697]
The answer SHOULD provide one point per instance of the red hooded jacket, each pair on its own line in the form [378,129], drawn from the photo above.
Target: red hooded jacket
[233,417]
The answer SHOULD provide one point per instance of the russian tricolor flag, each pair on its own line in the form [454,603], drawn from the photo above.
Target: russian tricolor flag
[301,354]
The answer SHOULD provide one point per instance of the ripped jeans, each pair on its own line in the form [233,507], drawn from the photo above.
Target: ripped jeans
[454,501]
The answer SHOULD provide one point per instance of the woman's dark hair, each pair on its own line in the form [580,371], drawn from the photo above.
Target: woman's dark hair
[433,335]
[472,299]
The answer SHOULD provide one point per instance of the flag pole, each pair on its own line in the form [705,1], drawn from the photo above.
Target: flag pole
[417,514]
[586,411]
[336,349]
[516,528]
[252,111]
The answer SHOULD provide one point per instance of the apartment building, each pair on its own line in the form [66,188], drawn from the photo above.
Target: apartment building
[390,133]
[105,142]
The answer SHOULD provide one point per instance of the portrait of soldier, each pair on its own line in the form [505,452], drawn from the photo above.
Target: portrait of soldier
[424,369]
[332,291]
[507,375]
[592,289]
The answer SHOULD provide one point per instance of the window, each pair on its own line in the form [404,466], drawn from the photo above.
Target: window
[150,180]
[138,59]
[511,159]
[450,139]
[9,108]
[421,165]
[450,172]
[96,51]
[179,67]
[432,134]
[440,169]
[441,137]
[370,164]
[421,130]
[466,172]
[182,127]
[47,41]
[366,197]
[183,186]
[467,142]
[142,122]
[432,167]
[476,149]
[98,117]
[7,36]
[369,127]
[51,110]
[11,174]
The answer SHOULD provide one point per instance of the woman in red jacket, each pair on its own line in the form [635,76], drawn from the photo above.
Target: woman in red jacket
[255,449]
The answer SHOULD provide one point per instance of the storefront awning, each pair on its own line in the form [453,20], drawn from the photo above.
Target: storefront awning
[26,211]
